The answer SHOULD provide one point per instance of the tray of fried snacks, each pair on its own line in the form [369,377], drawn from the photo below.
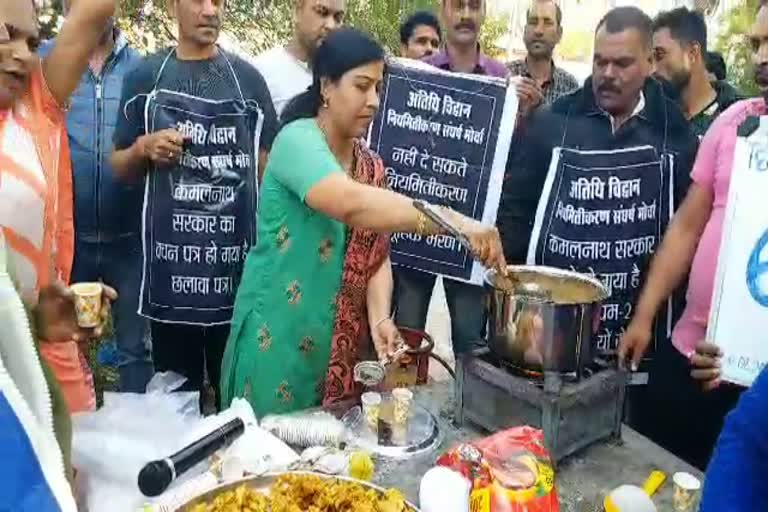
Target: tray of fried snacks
[299,491]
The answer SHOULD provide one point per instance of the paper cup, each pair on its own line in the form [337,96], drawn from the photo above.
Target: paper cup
[371,407]
[686,494]
[87,303]
[402,399]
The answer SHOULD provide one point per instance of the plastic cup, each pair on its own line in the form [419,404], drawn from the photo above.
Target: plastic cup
[87,303]
[402,398]
[399,435]
[686,493]
[371,407]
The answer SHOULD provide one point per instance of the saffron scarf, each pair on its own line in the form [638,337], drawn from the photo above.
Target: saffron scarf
[366,251]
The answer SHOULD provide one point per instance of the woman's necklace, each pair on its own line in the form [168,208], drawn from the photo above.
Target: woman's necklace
[347,162]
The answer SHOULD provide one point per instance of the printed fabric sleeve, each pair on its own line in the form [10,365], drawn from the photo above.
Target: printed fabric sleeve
[738,472]
[301,158]
[130,118]
[703,173]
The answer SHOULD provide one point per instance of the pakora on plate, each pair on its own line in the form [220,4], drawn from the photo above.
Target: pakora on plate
[307,493]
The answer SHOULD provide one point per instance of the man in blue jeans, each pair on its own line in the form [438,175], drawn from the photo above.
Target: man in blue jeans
[107,213]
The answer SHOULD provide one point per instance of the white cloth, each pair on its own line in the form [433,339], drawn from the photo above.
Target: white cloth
[286,76]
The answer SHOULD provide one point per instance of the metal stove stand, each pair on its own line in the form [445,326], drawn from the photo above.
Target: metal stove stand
[573,415]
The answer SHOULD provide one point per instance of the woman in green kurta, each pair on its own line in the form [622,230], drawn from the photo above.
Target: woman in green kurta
[321,261]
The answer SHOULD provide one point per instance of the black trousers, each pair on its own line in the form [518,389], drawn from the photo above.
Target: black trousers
[190,350]
[675,413]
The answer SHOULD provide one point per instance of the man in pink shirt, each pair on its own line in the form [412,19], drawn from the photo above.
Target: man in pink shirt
[680,416]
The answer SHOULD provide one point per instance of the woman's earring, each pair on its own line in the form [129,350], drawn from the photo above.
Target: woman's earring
[325,102]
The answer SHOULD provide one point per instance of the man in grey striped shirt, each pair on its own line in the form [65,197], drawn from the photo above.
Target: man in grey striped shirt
[543,31]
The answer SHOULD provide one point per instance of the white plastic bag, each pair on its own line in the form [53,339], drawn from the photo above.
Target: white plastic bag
[255,452]
[111,445]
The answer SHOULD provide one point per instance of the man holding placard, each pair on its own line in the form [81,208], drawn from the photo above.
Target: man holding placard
[590,180]
[195,128]
[462,20]
[693,243]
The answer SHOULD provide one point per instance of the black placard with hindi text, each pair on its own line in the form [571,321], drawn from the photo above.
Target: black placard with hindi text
[603,213]
[199,214]
[444,139]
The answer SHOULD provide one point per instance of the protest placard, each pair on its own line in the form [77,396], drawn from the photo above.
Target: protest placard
[200,214]
[444,139]
[739,314]
[603,213]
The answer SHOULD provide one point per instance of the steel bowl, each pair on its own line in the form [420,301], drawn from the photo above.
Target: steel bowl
[544,319]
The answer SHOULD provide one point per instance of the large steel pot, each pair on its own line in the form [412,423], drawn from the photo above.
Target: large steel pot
[543,319]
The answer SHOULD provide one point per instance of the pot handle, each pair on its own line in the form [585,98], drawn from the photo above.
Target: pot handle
[444,364]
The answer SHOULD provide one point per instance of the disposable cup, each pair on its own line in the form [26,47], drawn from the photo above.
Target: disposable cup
[371,407]
[687,492]
[87,303]
[402,398]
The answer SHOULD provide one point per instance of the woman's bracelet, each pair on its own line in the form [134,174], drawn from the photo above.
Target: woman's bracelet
[421,224]
[377,324]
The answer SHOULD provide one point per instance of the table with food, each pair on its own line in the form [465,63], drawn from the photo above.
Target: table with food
[522,425]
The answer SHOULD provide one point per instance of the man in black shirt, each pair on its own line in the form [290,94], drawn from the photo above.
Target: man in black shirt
[619,107]
[187,125]
[598,136]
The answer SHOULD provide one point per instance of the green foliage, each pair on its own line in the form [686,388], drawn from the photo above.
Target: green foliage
[734,46]
[381,18]
[255,24]
[260,24]
[493,30]
[576,45]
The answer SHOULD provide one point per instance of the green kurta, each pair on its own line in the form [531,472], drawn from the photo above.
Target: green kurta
[279,346]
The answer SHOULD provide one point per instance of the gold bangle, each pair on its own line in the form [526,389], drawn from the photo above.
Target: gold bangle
[421,224]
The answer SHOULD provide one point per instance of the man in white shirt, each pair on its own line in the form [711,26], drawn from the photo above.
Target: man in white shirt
[288,69]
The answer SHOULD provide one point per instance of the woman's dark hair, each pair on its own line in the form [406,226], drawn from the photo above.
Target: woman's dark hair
[344,49]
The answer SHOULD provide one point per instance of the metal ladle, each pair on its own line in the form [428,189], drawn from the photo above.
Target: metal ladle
[503,279]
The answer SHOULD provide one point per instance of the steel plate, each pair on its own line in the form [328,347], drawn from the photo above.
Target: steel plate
[264,484]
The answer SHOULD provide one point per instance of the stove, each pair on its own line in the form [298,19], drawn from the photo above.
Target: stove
[572,414]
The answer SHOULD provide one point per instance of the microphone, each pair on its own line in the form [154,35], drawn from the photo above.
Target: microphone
[158,475]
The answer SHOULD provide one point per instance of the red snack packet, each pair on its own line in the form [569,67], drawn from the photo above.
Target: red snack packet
[510,471]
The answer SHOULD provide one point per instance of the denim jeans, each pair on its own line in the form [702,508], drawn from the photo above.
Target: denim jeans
[118,264]
[466,305]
